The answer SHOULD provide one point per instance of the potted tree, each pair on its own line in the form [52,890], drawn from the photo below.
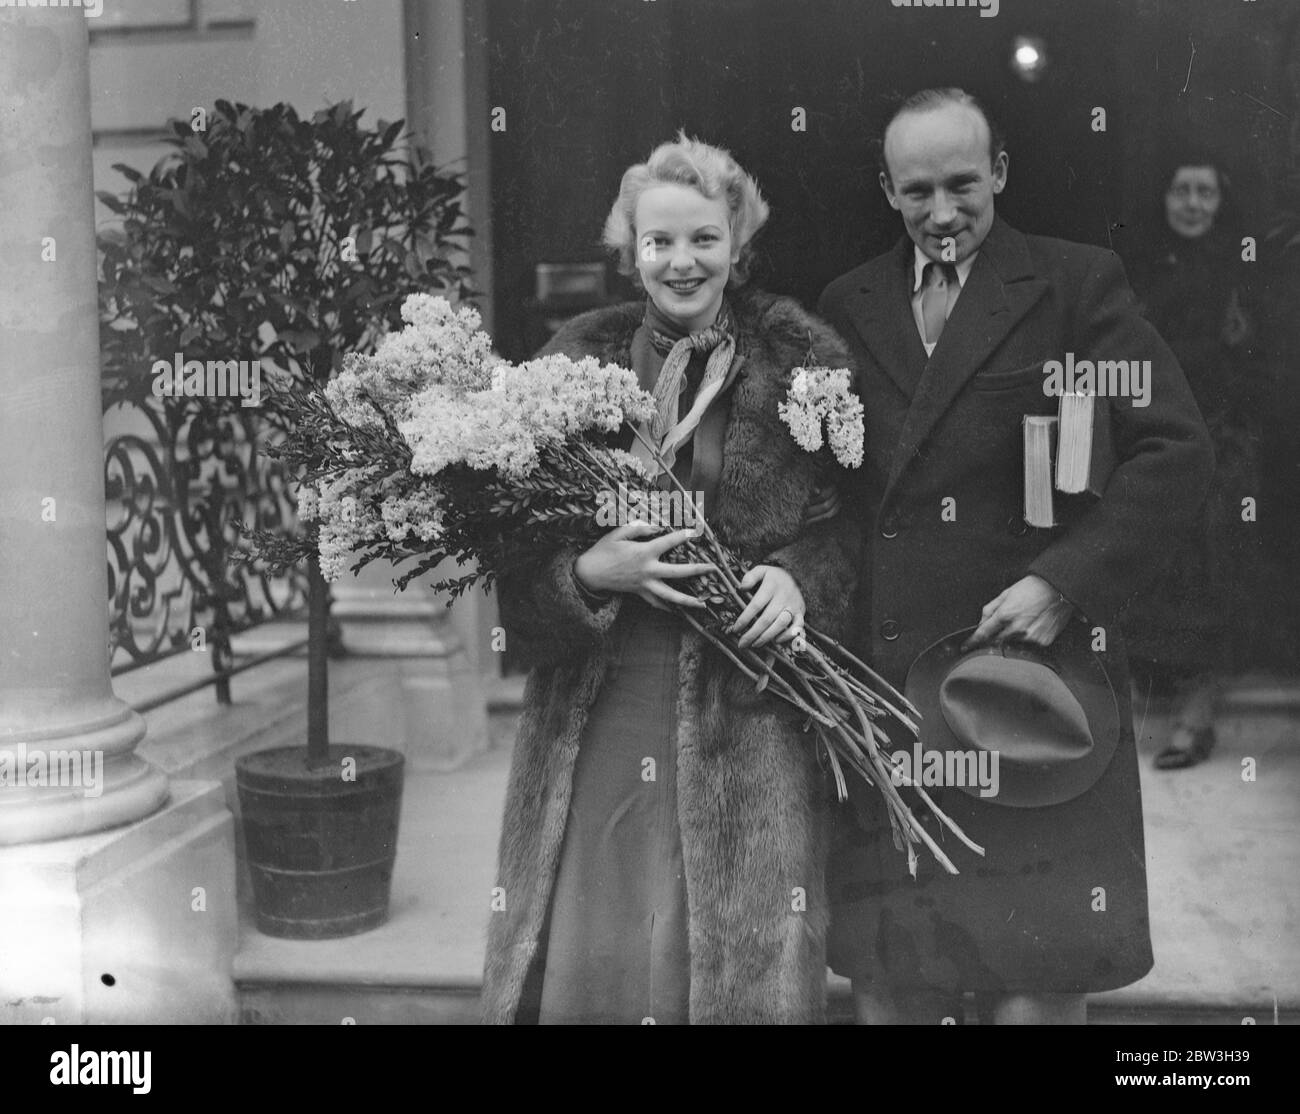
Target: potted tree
[264,236]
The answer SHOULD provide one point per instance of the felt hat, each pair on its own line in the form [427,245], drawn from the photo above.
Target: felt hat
[1049,714]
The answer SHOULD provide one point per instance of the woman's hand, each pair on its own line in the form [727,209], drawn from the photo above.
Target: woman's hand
[618,562]
[776,611]
[1236,325]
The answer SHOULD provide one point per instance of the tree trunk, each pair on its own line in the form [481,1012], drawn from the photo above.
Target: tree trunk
[318,733]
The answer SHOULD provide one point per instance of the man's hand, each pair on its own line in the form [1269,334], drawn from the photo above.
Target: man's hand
[1031,610]
[825,503]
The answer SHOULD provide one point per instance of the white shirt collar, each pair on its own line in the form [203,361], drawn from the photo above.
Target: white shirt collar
[920,259]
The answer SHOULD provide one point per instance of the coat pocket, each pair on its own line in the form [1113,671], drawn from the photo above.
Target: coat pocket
[1027,375]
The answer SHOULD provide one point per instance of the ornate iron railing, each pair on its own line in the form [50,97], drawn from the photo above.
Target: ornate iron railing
[177,484]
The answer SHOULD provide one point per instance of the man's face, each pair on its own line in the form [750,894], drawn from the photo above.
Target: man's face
[941,179]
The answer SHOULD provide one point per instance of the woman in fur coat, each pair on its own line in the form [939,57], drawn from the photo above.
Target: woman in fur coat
[662,851]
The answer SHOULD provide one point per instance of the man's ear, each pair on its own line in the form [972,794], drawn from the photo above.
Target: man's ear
[1000,165]
[888,187]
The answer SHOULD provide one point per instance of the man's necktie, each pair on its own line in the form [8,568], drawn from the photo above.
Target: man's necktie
[940,281]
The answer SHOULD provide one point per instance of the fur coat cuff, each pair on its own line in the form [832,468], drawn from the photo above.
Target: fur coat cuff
[549,616]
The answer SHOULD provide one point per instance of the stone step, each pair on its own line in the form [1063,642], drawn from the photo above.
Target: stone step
[322,1004]
[1222,853]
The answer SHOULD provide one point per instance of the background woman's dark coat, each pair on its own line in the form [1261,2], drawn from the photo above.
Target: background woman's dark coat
[1215,607]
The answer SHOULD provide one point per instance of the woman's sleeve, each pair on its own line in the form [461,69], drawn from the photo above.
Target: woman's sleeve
[548,617]
[824,562]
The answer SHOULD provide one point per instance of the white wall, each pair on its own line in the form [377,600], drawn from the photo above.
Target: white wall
[151,60]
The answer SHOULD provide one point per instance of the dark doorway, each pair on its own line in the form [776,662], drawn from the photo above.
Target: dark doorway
[590,86]
[846,64]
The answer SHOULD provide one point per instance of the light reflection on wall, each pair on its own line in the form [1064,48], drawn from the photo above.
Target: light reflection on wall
[1028,57]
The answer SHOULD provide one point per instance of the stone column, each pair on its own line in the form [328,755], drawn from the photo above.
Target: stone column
[430,703]
[446,105]
[67,765]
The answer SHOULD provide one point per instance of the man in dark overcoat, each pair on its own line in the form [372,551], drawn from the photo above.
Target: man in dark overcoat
[952,330]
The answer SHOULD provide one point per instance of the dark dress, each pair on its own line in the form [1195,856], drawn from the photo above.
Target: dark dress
[616,948]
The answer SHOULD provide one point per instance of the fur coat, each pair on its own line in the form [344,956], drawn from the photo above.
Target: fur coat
[753,800]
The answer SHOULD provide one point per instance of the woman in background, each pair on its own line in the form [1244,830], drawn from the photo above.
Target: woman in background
[1209,616]
[665,831]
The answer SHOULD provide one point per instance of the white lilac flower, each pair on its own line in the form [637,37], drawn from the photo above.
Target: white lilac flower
[821,394]
[633,463]
[805,424]
[347,520]
[308,503]
[336,550]
[417,512]
[456,404]
[528,407]
[844,430]
[473,430]
[565,397]
[440,346]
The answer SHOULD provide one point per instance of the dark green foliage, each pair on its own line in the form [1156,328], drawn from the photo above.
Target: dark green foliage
[234,245]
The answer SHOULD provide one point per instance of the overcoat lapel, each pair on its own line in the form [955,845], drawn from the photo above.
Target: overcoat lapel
[883,318]
[999,291]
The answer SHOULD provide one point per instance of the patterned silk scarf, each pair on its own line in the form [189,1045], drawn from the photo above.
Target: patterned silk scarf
[666,430]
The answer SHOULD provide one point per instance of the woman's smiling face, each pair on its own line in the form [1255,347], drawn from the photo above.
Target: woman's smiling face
[1192,200]
[683,252]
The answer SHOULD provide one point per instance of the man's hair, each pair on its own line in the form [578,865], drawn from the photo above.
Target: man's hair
[927,100]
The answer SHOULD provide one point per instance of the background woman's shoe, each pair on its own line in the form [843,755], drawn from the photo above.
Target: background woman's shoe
[1189,746]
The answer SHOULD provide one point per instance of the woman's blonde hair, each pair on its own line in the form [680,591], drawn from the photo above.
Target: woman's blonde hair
[707,169]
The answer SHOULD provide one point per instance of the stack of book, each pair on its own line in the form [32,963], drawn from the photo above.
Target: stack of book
[1070,453]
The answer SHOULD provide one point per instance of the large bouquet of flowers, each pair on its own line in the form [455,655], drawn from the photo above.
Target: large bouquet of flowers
[434,448]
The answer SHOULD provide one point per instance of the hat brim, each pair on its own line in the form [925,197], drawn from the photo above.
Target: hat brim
[1024,784]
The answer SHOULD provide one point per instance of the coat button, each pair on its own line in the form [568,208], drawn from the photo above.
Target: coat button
[889,527]
[890,630]
[1017,527]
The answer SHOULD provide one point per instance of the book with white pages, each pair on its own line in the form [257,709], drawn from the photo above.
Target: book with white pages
[1085,456]
[1039,434]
